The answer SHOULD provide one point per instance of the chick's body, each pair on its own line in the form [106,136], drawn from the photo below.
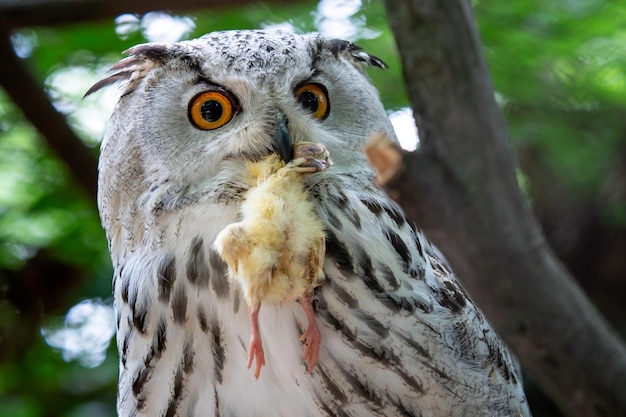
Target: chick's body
[276,252]
[278,247]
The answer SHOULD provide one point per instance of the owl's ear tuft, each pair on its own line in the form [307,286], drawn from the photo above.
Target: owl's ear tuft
[142,58]
[352,51]
[111,79]
[158,52]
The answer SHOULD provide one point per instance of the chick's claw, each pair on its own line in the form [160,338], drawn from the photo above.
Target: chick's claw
[311,351]
[311,336]
[255,348]
[255,351]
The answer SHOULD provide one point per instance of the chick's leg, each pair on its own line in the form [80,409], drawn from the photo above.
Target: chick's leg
[311,336]
[255,348]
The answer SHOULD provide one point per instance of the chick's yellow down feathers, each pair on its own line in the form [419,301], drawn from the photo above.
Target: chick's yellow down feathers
[275,253]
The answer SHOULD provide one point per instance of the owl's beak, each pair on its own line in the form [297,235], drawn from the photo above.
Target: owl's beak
[282,140]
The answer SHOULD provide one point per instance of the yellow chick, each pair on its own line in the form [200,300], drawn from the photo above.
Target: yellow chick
[275,253]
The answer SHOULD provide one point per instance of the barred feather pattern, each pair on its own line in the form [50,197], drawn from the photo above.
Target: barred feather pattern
[399,335]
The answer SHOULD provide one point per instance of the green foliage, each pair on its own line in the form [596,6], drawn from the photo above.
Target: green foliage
[560,68]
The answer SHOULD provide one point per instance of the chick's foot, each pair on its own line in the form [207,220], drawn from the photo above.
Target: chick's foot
[311,337]
[255,348]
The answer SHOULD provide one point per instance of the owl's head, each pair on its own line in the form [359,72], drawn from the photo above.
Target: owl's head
[193,112]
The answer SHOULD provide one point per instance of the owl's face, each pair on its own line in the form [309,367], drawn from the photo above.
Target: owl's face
[191,113]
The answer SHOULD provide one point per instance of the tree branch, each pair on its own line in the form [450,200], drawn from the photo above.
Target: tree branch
[27,93]
[461,188]
[53,12]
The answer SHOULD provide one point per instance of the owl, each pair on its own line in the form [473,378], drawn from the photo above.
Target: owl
[399,335]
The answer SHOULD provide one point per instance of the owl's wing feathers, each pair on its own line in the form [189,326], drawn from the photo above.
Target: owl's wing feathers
[403,313]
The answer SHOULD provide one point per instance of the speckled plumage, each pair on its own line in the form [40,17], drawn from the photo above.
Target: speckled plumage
[400,337]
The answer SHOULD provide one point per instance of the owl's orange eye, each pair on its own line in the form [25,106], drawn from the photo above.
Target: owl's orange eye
[211,109]
[314,99]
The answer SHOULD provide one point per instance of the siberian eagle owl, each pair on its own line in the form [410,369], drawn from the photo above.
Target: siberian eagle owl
[399,335]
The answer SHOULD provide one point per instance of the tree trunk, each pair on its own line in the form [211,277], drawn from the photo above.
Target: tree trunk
[461,188]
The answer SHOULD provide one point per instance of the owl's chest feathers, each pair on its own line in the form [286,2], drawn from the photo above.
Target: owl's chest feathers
[384,310]
[181,318]
[165,198]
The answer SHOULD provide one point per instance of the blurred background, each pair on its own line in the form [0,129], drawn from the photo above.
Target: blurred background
[558,68]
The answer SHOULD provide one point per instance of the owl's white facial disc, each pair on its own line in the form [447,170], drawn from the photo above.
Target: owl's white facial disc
[202,108]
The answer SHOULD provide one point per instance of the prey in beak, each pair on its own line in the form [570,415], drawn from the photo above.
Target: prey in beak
[304,156]
[276,252]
